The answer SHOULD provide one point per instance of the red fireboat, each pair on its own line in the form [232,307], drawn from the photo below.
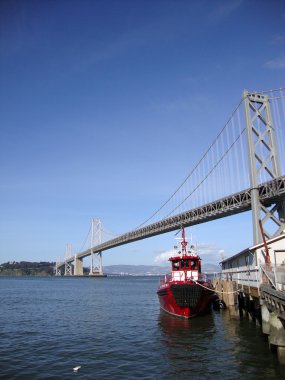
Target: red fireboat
[183,292]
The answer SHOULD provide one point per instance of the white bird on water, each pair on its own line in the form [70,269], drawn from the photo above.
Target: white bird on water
[76,369]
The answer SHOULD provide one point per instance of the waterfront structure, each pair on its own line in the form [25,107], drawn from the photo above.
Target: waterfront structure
[254,279]
[253,282]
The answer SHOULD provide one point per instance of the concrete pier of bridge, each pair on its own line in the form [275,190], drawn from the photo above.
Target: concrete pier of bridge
[78,266]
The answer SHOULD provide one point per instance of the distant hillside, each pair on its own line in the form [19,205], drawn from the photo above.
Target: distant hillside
[210,267]
[26,268]
[135,270]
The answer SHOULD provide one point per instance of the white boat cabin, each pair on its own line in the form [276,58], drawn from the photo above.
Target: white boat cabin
[185,268]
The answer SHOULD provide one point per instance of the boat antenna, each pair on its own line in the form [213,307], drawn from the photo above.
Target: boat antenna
[183,242]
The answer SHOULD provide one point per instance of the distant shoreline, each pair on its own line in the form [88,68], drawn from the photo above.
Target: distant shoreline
[41,269]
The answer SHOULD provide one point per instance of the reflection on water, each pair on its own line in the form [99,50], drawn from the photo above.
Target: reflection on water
[180,328]
[169,322]
[186,344]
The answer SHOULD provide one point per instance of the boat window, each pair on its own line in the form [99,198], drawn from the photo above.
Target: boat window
[175,265]
[193,264]
[184,263]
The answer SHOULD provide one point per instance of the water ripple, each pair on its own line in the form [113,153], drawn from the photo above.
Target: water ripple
[113,328]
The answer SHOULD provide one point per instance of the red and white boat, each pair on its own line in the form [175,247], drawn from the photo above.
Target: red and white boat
[184,293]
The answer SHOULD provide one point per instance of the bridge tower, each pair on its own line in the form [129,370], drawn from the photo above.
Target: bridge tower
[263,165]
[67,265]
[96,267]
[57,267]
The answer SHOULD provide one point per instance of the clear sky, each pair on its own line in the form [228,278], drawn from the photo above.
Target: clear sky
[105,106]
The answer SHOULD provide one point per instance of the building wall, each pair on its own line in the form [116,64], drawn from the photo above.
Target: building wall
[244,268]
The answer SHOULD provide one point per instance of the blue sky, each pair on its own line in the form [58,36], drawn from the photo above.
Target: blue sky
[98,100]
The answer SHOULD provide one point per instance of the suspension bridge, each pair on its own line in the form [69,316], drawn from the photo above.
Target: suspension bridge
[243,169]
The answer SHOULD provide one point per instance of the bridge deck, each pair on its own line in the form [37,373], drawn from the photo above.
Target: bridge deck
[269,192]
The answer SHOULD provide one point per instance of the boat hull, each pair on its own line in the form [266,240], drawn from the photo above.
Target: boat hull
[185,300]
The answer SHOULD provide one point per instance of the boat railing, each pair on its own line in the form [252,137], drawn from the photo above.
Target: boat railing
[165,278]
[180,276]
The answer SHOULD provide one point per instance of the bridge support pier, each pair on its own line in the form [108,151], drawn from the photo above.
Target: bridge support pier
[67,269]
[57,268]
[67,265]
[96,270]
[78,267]
[100,266]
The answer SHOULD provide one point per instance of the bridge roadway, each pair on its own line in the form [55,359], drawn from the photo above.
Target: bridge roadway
[269,193]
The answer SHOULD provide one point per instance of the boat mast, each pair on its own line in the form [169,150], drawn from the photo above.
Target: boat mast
[183,242]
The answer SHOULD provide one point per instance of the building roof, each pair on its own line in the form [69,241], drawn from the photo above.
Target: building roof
[255,247]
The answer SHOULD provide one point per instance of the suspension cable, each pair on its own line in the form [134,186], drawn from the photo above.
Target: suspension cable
[210,172]
[196,166]
[83,245]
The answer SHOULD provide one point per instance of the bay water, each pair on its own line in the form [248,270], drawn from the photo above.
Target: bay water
[113,328]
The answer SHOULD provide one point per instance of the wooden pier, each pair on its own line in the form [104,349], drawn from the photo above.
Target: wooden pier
[252,283]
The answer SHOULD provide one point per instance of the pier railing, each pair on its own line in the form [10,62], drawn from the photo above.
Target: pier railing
[254,276]
[247,276]
[273,275]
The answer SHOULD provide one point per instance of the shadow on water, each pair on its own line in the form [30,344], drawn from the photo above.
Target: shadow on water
[216,345]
